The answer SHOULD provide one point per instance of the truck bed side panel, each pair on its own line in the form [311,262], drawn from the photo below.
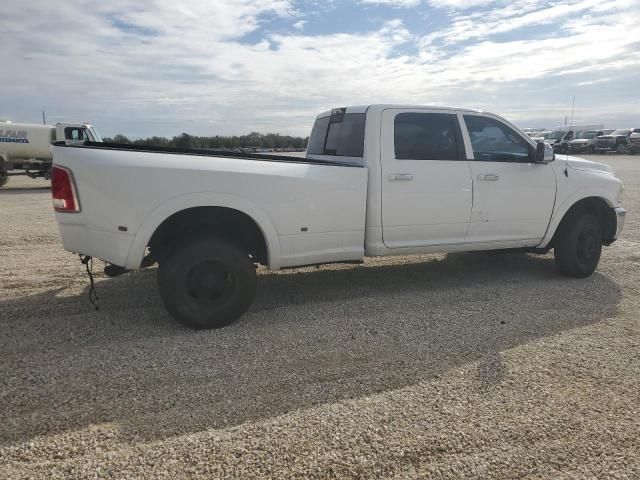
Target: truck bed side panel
[316,211]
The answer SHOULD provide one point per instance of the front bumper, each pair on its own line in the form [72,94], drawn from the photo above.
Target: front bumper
[605,147]
[621,215]
[579,147]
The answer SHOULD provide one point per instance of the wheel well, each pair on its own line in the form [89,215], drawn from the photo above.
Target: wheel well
[598,207]
[228,224]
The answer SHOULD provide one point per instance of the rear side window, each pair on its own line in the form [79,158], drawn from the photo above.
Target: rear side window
[318,136]
[427,136]
[340,135]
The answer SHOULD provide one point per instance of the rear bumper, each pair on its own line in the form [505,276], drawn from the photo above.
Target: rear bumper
[621,215]
[112,247]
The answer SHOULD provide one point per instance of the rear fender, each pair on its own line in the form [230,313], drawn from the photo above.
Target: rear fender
[203,199]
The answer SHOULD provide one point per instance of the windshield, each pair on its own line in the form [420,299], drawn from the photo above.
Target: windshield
[556,135]
[96,136]
[620,131]
[588,134]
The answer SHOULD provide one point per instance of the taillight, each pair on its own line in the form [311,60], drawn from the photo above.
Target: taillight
[63,190]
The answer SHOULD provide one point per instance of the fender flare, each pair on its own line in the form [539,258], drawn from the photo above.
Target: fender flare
[561,210]
[203,199]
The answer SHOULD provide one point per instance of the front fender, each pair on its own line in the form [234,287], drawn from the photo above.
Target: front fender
[203,199]
[561,210]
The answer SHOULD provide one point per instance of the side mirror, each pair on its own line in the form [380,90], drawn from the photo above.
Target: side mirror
[544,153]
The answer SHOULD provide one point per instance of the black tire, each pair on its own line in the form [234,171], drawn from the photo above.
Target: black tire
[622,149]
[4,178]
[207,283]
[578,245]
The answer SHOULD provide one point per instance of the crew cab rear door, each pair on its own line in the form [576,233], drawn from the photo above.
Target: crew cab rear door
[513,197]
[426,180]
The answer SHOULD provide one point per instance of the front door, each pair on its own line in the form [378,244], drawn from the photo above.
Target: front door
[513,197]
[426,180]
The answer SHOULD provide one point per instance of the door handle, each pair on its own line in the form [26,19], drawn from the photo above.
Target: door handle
[400,177]
[490,177]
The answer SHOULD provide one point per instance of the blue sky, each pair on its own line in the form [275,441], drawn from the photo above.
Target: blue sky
[153,67]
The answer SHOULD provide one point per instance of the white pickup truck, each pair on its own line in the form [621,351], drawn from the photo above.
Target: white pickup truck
[377,180]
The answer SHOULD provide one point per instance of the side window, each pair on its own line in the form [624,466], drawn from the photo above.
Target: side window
[426,136]
[338,135]
[493,141]
[74,133]
[569,135]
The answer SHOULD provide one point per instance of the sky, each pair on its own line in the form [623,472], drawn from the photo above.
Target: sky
[207,67]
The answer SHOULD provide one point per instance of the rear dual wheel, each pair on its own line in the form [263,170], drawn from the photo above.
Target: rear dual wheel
[207,283]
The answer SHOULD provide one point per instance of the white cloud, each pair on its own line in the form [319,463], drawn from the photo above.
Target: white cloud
[299,25]
[392,3]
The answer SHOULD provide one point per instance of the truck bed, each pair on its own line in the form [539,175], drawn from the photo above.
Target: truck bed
[309,210]
[204,152]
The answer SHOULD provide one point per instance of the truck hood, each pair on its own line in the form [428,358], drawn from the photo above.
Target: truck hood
[580,140]
[578,163]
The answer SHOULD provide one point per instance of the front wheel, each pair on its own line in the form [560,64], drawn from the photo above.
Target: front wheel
[578,245]
[623,149]
[207,283]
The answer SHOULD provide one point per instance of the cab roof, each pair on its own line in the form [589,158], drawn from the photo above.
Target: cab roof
[385,106]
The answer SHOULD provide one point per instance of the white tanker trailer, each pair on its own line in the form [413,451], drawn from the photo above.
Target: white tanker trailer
[25,147]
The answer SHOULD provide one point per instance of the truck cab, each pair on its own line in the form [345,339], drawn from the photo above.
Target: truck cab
[76,133]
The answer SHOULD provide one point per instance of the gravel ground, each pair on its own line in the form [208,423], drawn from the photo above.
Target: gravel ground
[440,366]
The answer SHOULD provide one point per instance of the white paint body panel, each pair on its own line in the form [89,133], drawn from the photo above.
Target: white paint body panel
[139,190]
[348,212]
[433,205]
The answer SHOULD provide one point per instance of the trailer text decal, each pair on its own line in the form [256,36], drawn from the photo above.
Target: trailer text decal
[13,136]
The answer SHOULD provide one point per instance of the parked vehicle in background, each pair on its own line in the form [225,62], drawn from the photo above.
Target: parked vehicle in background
[585,141]
[377,180]
[634,141]
[25,148]
[618,141]
[540,135]
[560,137]
[535,132]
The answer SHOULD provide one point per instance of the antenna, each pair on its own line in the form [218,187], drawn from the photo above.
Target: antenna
[573,104]
[44,118]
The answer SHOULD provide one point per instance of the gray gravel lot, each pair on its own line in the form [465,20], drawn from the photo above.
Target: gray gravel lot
[439,366]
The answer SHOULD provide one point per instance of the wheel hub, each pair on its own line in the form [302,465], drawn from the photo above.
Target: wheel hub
[587,247]
[210,283]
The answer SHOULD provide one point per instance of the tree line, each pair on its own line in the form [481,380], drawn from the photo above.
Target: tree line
[252,140]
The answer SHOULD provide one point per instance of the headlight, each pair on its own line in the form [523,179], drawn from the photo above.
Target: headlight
[621,194]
